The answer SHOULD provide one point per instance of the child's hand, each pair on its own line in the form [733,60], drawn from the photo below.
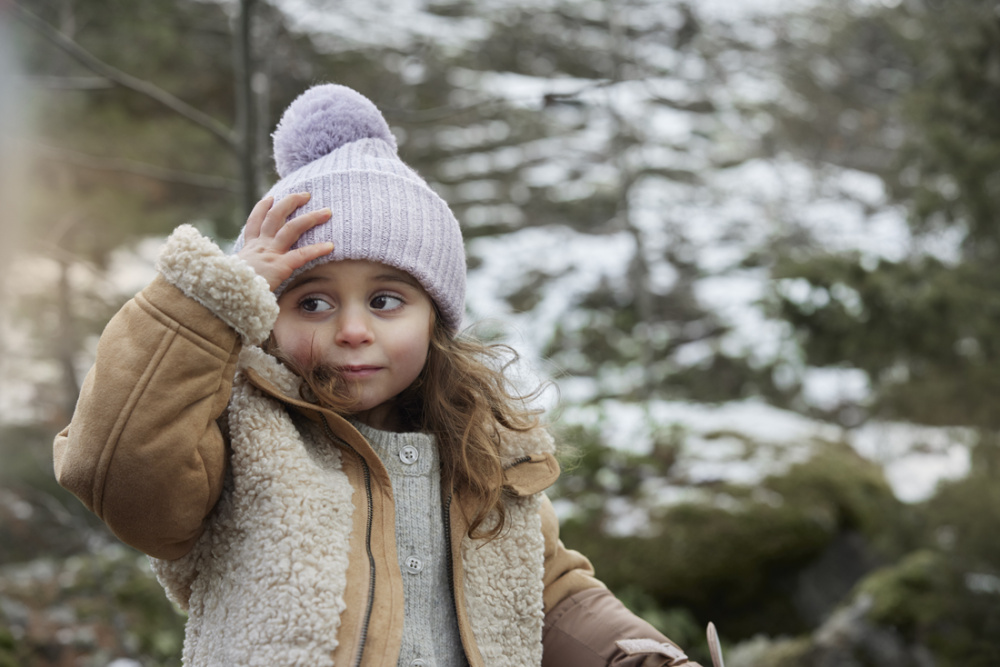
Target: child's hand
[267,238]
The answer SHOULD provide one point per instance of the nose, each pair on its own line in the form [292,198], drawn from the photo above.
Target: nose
[353,328]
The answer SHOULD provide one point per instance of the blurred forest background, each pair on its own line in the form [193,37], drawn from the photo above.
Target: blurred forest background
[755,245]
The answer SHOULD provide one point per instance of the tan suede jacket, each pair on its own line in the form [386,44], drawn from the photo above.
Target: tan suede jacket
[154,452]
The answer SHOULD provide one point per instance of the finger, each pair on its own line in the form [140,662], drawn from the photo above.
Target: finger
[299,225]
[256,218]
[302,256]
[283,208]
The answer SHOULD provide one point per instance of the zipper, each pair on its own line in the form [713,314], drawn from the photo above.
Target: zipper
[516,462]
[368,544]
[446,511]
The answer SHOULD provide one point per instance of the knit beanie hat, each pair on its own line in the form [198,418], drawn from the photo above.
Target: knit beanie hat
[334,143]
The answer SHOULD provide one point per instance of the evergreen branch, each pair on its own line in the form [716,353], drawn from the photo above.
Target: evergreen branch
[91,62]
[127,166]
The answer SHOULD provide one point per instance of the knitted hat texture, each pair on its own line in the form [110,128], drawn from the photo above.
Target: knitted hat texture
[334,143]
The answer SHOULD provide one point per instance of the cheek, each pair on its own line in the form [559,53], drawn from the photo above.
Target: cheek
[423,359]
[294,343]
[414,356]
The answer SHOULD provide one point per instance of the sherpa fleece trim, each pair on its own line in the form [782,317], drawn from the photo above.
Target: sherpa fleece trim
[271,370]
[515,445]
[504,588]
[504,577]
[265,583]
[224,284]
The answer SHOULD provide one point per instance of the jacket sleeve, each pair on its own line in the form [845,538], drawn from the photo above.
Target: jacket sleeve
[144,450]
[585,624]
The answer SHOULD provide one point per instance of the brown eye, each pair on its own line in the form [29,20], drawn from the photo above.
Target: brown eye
[386,302]
[314,305]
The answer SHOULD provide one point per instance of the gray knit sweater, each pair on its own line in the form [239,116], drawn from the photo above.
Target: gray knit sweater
[430,628]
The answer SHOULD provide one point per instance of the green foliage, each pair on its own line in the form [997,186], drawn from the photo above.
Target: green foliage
[963,514]
[722,378]
[677,623]
[27,454]
[907,93]
[922,330]
[11,654]
[88,610]
[744,560]
[155,625]
[950,167]
[905,594]
[852,488]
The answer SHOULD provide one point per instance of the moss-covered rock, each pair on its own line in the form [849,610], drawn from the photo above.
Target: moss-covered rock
[781,652]
[774,558]
[930,598]
[905,595]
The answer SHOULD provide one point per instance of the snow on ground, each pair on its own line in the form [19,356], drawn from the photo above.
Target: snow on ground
[744,442]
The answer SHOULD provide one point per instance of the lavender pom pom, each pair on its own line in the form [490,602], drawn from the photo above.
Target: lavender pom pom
[322,119]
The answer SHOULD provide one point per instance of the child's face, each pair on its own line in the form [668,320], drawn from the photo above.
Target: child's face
[369,321]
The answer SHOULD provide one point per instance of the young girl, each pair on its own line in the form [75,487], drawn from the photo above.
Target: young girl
[322,470]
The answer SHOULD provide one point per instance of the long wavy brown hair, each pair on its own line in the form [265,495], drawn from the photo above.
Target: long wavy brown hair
[464,397]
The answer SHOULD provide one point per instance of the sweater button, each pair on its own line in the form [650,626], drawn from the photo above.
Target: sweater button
[413,564]
[409,454]
[419,663]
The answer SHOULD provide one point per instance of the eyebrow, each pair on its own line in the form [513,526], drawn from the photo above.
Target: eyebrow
[301,280]
[400,277]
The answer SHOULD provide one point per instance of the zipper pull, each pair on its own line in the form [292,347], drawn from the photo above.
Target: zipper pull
[714,647]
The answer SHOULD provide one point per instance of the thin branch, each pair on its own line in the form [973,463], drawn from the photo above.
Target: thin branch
[66,82]
[435,114]
[123,165]
[219,130]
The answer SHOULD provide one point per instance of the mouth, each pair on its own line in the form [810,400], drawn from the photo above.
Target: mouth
[356,372]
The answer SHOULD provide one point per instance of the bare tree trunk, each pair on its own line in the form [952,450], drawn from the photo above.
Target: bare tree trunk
[66,339]
[245,108]
[262,154]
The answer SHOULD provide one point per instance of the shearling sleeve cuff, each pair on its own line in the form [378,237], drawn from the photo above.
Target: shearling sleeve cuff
[224,284]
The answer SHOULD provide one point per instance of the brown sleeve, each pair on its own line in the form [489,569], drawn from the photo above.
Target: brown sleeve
[593,628]
[585,624]
[566,571]
[144,451]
